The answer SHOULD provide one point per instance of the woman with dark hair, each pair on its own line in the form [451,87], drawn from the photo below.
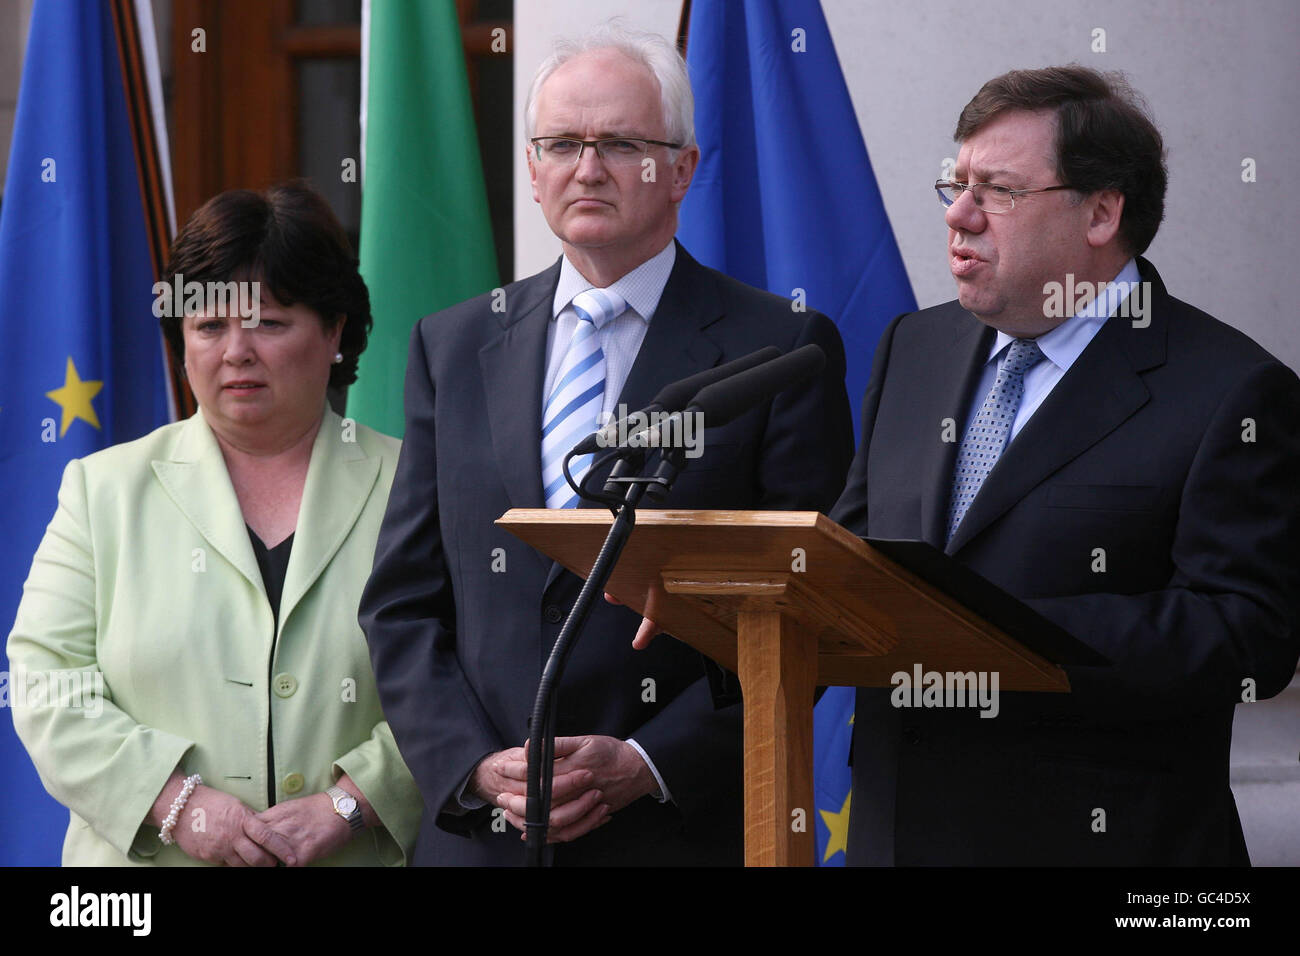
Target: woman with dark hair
[204,579]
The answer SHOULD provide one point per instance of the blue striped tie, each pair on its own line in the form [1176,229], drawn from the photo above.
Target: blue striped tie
[987,436]
[572,411]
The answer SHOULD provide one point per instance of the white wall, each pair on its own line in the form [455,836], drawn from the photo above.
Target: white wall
[1221,78]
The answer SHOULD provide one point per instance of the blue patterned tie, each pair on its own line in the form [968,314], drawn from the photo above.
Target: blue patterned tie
[573,408]
[987,436]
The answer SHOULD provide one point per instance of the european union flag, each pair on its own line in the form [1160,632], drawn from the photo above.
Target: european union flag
[81,360]
[785,199]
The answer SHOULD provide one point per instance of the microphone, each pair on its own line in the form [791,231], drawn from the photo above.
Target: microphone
[727,400]
[724,401]
[674,397]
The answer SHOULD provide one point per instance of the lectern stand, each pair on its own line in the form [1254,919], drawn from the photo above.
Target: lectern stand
[788,600]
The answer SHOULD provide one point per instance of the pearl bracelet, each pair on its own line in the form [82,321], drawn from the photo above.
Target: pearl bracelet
[165,834]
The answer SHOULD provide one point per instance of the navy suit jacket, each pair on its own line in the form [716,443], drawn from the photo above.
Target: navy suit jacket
[458,643]
[1175,448]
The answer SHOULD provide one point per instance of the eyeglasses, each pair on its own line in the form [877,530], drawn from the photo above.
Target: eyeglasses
[990,197]
[623,151]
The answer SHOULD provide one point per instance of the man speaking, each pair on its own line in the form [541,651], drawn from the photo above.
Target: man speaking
[1118,459]
[460,615]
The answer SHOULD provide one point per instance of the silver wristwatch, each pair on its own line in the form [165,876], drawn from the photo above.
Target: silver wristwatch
[345,805]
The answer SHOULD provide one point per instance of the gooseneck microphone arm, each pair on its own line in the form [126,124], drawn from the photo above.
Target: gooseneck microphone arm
[541,726]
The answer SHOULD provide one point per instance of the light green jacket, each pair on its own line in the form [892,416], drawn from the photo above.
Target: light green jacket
[146,576]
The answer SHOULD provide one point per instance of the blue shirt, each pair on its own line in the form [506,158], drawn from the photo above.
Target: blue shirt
[621,338]
[1061,347]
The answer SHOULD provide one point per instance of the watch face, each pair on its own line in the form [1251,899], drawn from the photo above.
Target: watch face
[346,805]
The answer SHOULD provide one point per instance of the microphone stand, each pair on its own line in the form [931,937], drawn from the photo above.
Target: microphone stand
[718,403]
[541,726]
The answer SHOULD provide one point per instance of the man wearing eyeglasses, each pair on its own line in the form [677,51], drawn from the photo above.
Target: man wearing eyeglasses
[1124,463]
[460,615]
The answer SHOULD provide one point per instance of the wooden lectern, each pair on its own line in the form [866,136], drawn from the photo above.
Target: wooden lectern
[788,600]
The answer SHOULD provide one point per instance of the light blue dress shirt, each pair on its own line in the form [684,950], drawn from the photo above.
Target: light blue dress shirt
[1061,346]
[621,338]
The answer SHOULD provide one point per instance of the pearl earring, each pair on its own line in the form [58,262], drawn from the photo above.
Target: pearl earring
[338,357]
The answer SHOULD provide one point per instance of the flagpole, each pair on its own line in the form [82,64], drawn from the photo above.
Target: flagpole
[153,176]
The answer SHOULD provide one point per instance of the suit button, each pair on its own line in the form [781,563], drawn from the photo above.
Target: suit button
[284,685]
[554,615]
[911,736]
[293,782]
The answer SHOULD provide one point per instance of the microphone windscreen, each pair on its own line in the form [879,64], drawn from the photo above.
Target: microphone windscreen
[731,398]
[675,396]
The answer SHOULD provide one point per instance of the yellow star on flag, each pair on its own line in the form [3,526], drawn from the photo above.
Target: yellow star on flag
[838,824]
[74,398]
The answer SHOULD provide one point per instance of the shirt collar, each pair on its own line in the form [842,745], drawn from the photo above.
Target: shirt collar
[1065,343]
[642,288]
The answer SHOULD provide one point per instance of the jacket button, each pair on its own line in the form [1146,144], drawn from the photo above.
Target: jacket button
[912,736]
[284,685]
[554,615]
[293,782]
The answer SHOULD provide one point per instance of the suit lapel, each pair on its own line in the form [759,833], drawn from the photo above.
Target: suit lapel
[195,478]
[340,479]
[514,371]
[675,344]
[1099,392]
[956,370]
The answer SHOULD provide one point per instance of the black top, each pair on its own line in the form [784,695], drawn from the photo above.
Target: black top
[272,563]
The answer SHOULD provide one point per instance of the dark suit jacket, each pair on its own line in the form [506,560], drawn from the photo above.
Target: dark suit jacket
[1139,451]
[458,647]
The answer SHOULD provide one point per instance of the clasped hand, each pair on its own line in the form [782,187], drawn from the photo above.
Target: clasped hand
[594,778]
[295,832]
[299,831]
